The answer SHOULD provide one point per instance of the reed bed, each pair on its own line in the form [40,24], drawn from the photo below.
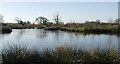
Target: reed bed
[60,54]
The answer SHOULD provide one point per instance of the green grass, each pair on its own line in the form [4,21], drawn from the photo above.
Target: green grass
[59,54]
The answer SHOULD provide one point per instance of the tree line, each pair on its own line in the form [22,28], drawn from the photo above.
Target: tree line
[40,20]
[56,18]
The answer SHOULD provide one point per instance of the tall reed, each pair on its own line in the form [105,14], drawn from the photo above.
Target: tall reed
[61,53]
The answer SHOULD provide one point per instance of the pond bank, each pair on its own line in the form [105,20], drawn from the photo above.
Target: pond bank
[62,54]
[86,30]
[103,28]
[5,29]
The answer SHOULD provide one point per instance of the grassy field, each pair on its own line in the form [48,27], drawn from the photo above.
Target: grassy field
[64,54]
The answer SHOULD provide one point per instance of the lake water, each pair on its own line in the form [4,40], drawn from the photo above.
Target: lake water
[40,39]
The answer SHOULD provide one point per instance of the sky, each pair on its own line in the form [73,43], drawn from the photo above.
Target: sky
[68,11]
[59,0]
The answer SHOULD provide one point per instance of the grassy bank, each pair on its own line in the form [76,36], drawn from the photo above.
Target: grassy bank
[62,54]
[91,27]
[5,29]
[19,26]
[104,28]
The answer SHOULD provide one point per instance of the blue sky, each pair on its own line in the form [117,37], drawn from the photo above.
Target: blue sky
[69,11]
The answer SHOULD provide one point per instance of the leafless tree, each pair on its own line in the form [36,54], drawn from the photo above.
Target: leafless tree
[1,18]
[110,20]
[19,21]
[117,21]
[56,18]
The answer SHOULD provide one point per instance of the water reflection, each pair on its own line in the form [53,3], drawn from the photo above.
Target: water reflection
[49,39]
[56,35]
[20,33]
[41,34]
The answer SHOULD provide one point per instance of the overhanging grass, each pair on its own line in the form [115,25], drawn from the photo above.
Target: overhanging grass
[59,54]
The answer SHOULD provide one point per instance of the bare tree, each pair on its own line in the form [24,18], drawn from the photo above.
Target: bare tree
[19,21]
[1,18]
[110,20]
[117,21]
[56,18]
[41,20]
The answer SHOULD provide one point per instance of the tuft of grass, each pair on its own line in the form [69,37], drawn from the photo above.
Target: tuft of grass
[59,54]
